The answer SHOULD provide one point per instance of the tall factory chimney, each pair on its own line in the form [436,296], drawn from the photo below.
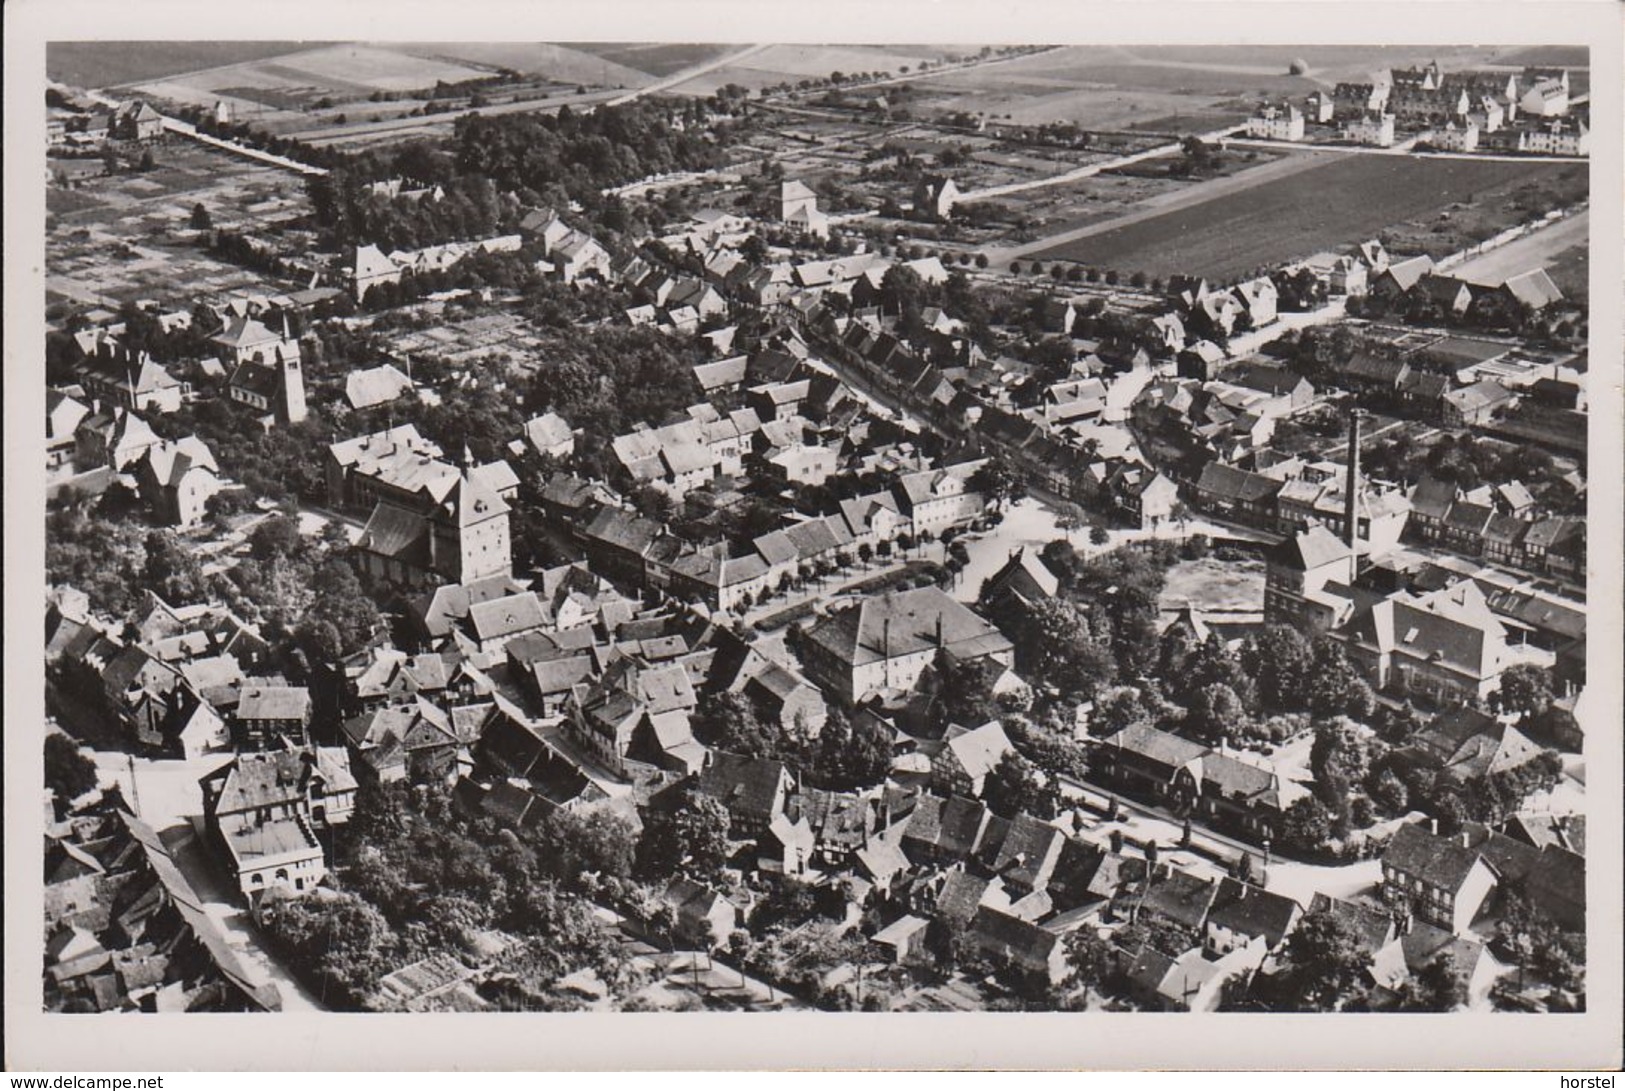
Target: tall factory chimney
[1351,494]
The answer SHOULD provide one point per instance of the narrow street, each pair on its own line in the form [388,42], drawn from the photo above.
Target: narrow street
[166,795]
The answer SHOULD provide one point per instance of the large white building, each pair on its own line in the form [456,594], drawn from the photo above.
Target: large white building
[1376,130]
[1276,123]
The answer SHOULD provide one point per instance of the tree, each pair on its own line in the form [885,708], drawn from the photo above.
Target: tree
[690,837]
[1216,713]
[69,774]
[1443,985]
[1328,959]
[339,944]
[729,722]
[1098,535]
[1307,824]
[573,844]
[1069,519]
[1000,480]
[1280,662]
[1389,793]
[342,617]
[1016,786]
[201,220]
[1091,958]
[966,694]
[1342,750]
[1335,687]
[1525,689]
[172,571]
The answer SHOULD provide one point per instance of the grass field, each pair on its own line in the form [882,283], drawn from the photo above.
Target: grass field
[656,59]
[111,64]
[1571,272]
[1343,201]
[1212,584]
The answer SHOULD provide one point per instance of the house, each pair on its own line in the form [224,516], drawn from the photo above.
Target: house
[967,757]
[754,790]
[370,268]
[130,380]
[1533,289]
[370,387]
[704,917]
[1024,577]
[639,714]
[1557,137]
[1442,647]
[885,642]
[1240,495]
[549,435]
[1454,137]
[1301,578]
[795,196]
[903,939]
[934,196]
[1440,880]
[1396,281]
[1372,129]
[177,480]
[1242,912]
[934,500]
[1171,895]
[270,715]
[63,415]
[1146,760]
[138,121]
[1276,122]
[1546,97]
[1476,404]
[458,536]
[1449,294]
[1059,315]
[944,831]
[1026,947]
[264,811]
[413,741]
[1465,744]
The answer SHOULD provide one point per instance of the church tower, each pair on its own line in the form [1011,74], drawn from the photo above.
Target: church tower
[470,529]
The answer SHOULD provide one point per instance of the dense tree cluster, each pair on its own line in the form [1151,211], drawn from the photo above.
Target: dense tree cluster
[69,774]
[417,876]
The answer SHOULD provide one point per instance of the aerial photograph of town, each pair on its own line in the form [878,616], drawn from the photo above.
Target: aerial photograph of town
[680,527]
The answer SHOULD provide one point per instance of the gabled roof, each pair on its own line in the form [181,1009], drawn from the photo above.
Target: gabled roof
[1253,911]
[979,750]
[1180,897]
[750,786]
[1442,862]
[1533,289]
[1159,747]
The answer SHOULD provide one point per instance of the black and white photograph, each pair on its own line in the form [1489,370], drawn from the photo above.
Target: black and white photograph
[541,525]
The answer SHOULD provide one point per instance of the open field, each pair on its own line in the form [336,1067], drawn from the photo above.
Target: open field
[1214,585]
[780,63]
[1333,204]
[654,59]
[111,64]
[1571,272]
[566,63]
[126,236]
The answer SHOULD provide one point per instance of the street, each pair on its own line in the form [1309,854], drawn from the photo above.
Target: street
[167,796]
